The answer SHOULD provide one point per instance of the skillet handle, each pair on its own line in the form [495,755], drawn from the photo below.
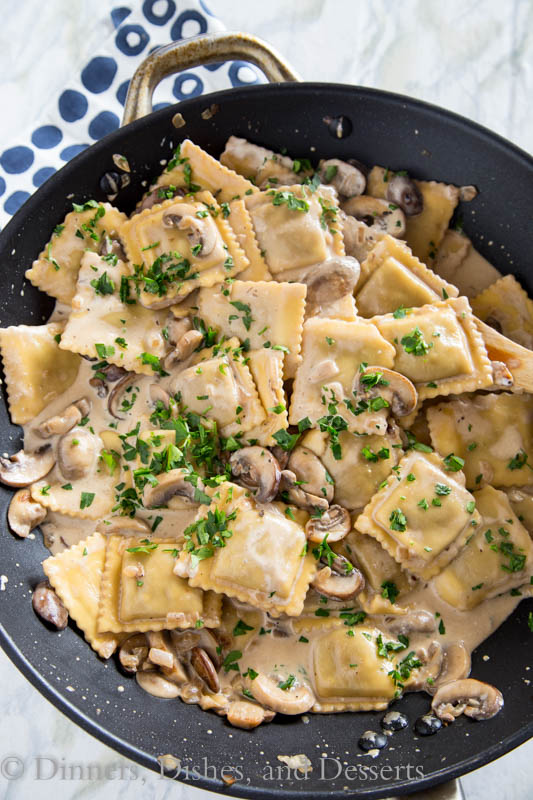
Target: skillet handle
[208,49]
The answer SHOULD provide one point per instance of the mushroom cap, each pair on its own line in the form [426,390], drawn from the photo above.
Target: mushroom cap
[294,494]
[47,604]
[24,513]
[394,387]
[62,423]
[331,279]
[347,178]
[133,652]
[473,698]
[335,523]
[456,666]
[432,659]
[310,470]
[296,700]
[155,684]
[159,395]
[77,452]
[185,347]
[169,485]
[417,621]
[257,469]
[23,468]
[176,327]
[338,587]
[376,213]
[242,714]
[403,191]
[117,391]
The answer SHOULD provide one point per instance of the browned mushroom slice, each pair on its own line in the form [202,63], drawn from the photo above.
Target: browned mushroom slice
[425,675]
[311,473]
[133,652]
[112,247]
[518,359]
[296,699]
[246,715]
[62,423]
[176,328]
[291,491]
[123,525]
[23,468]
[155,684]
[392,386]
[185,347]
[115,395]
[205,669]
[469,697]
[77,451]
[48,606]
[257,469]
[456,666]
[359,239]
[376,213]
[403,191]
[418,621]
[201,233]
[341,581]
[347,179]
[335,523]
[24,513]
[170,484]
[330,281]
[111,374]
[158,195]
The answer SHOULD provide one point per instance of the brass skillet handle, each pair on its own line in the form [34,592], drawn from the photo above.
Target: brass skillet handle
[210,48]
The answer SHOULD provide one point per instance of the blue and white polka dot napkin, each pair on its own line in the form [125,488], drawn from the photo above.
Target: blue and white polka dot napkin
[91,105]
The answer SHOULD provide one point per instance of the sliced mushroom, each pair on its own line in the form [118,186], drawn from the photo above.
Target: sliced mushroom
[403,191]
[281,456]
[347,179]
[24,513]
[431,665]
[456,666]
[392,386]
[311,472]
[113,247]
[359,239]
[376,213]
[331,280]
[111,374]
[296,700]
[155,684]
[242,714]
[256,468]
[339,586]
[133,652]
[293,493]
[159,395]
[201,233]
[62,423]
[123,525]
[177,327]
[23,468]
[184,348]
[170,484]
[76,453]
[472,698]
[157,196]
[335,522]
[418,621]
[49,606]
[117,391]
[205,669]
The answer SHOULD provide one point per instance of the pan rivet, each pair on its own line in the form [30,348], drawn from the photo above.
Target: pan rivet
[340,127]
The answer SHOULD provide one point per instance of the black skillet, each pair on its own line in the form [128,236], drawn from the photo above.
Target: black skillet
[309,119]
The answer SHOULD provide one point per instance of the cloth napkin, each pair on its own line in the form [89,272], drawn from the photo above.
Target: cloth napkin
[91,104]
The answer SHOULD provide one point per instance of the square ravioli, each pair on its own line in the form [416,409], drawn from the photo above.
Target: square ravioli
[498,558]
[220,388]
[392,277]
[124,331]
[266,367]
[332,353]
[36,370]
[181,244]
[264,313]
[506,306]
[492,433]
[76,575]
[348,673]
[140,591]
[422,515]
[295,228]
[56,270]
[262,560]
[192,167]
[438,347]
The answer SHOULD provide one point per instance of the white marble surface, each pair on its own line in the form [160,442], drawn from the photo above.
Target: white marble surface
[473,57]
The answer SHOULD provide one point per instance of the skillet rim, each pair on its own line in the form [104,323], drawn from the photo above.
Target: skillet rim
[56,182]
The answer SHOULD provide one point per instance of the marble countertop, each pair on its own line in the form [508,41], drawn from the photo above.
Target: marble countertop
[475,58]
